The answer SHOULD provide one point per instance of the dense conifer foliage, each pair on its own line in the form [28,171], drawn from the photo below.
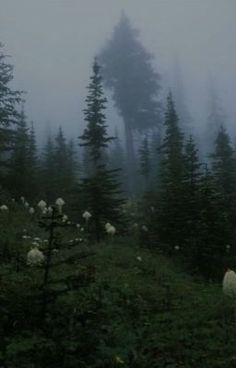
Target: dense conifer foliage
[100,189]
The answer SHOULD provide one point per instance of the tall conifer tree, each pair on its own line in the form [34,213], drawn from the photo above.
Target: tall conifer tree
[172,178]
[100,189]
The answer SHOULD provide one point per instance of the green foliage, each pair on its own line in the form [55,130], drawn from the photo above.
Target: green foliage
[128,72]
[145,162]
[9,114]
[170,219]
[22,178]
[59,173]
[95,136]
[100,190]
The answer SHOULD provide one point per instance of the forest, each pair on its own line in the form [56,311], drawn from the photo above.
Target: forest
[117,252]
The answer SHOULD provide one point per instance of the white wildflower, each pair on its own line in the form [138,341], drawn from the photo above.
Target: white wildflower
[107,225]
[31,211]
[42,205]
[78,226]
[35,257]
[49,210]
[22,199]
[60,203]
[26,204]
[228,247]
[139,258]
[37,239]
[145,228]
[177,247]
[86,215]
[64,218]
[111,230]
[229,283]
[4,208]
[25,237]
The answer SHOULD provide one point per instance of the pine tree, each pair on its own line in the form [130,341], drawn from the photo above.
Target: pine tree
[128,72]
[117,160]
[18,179]
[191,198]
[171,220]
[215,119]
[95,136]
[210,253]
[100,190]
[224,171]
[9,115]
[64,170]
[48,172]
[33,164]
[145,162]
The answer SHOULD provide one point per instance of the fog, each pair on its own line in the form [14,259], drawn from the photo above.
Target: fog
[52,44]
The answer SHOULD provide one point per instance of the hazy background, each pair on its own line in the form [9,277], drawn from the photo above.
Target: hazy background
[52,44]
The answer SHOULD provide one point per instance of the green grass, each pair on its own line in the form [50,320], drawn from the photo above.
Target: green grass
[155,315]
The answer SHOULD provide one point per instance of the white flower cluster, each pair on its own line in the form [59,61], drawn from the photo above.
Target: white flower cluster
[110,229]
[86,215]
[229,283]
[35,257]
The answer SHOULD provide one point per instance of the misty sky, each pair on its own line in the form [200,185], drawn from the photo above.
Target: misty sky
[52,44]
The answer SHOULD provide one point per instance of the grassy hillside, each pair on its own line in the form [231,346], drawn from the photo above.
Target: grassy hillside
[130,307]
[154,315]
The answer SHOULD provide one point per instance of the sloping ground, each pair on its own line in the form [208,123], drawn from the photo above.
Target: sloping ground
[154,315]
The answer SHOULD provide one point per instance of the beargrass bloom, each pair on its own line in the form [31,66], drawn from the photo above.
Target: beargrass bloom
[139,258]
[59,203]
[229,283]
[107,225]
[42,205]
[49,210]
[31,211]
[35,257]
[111,230]
[64,218]
[4,208]
[86,215]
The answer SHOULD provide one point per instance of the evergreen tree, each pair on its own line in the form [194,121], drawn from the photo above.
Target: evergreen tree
[185,120]
[100,190]
[33,164]
[48,172]
[128,72]
[9,115]
[210,253]
[224,171]
[145,161]
[117,160]
[61,161]
[191,198]
[95,136]
[215,119]
[18,178]
[171,220]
